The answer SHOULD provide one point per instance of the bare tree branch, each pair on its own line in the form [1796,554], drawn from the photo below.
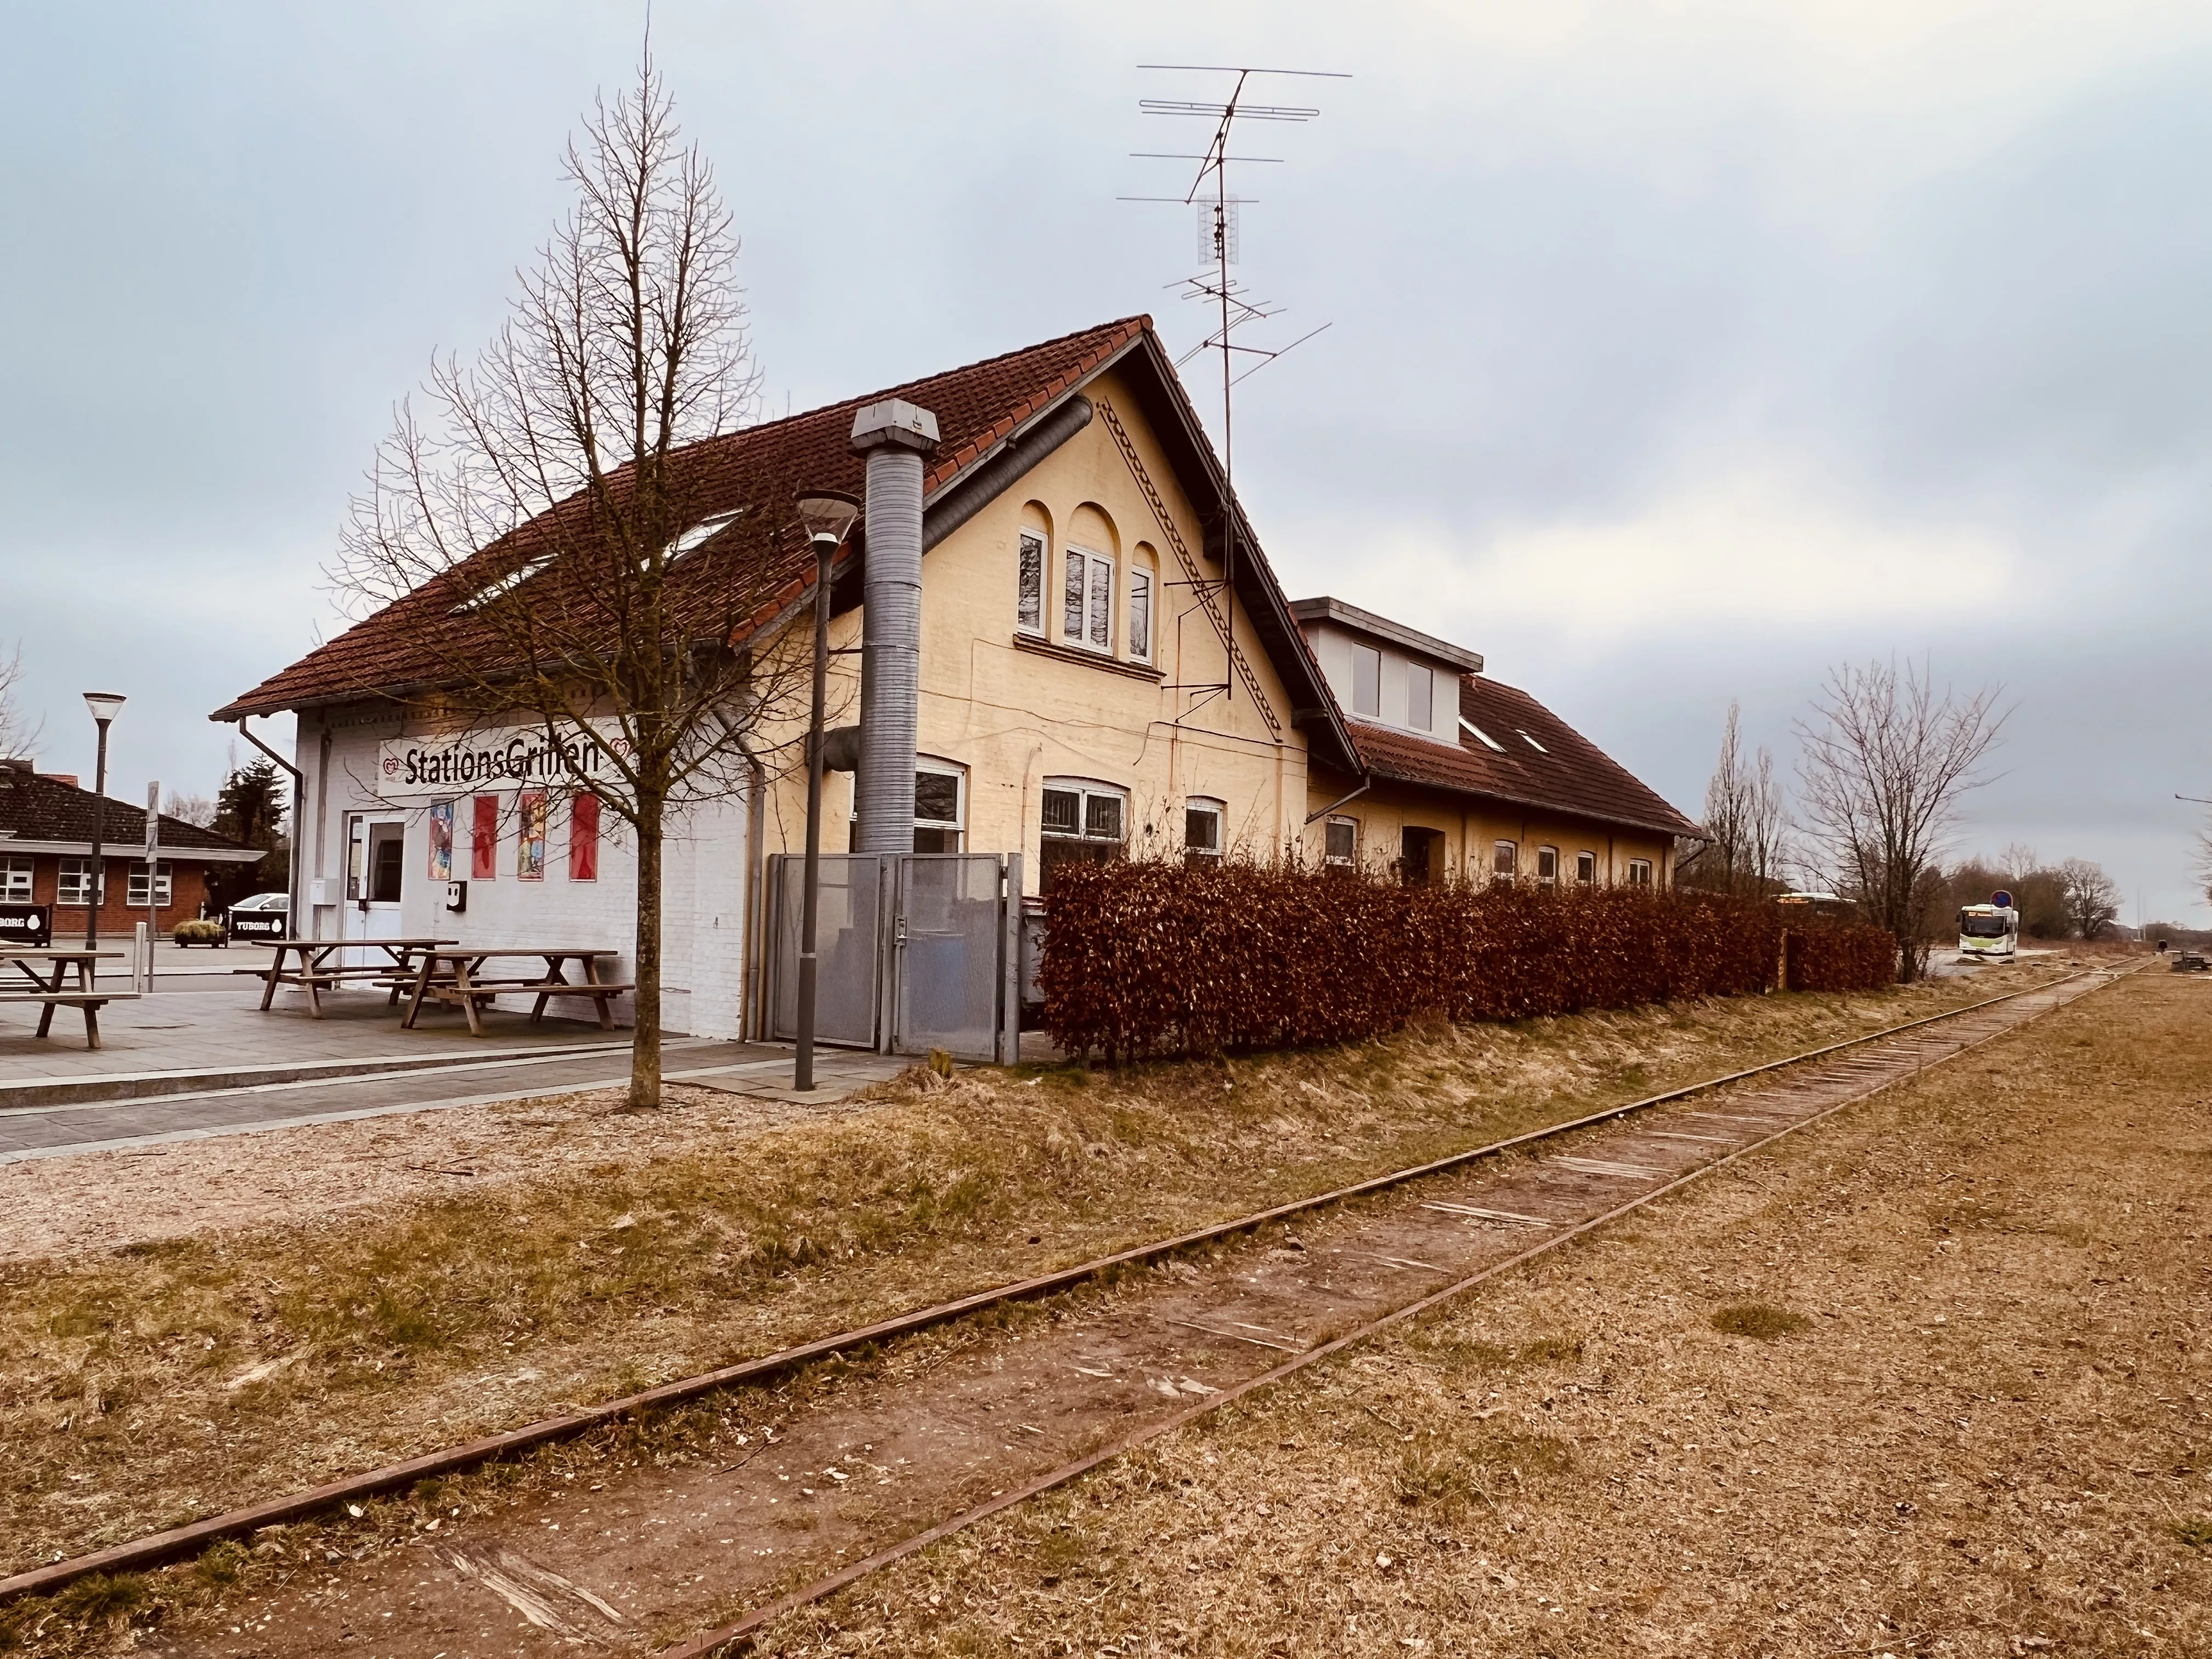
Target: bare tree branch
[19,733]
[569,556]
[1882,768]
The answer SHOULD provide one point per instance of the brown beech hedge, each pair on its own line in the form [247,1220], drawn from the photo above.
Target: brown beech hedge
[1157,958]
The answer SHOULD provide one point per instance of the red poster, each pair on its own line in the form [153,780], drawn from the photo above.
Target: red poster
[584,838]
[483,839]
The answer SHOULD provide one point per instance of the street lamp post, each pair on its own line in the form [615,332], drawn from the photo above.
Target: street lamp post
[104,706]
[828,514]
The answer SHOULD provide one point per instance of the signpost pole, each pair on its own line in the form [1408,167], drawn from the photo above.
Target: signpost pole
[153,874]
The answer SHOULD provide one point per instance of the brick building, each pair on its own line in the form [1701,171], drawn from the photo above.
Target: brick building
[45,855]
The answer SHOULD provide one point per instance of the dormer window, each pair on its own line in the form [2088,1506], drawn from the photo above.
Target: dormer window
[1367,681]
[1420,696]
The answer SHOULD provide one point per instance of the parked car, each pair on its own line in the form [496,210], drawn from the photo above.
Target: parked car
[257,920]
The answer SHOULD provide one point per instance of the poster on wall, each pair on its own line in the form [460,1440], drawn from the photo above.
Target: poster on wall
[584,838]
[530,844]
[484,837]
[441,841]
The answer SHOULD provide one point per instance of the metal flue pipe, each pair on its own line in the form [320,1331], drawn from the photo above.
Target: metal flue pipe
[895,436]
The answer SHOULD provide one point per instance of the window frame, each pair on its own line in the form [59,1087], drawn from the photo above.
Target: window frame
[1362,656]
[18,874]
[1086,790]
[1093,614]
[136,885]
[74,877]
[1038,629]
[1585,868]
[1547,878]
[956,826]
[1341,860]
[1639,872]
[1208,806]
[1511,866]
[1143,583]
[1419,673]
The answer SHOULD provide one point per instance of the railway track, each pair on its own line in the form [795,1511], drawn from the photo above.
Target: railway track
[940,1445]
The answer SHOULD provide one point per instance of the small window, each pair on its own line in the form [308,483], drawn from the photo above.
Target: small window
[1087,600]
[1029,604]
[74,886]
[1140,615]
[1342,843]
[1081,822]
[1639,872]
[1366,680]
[1478,734]
[1547,866]
[1585,869]
[135,886]
[387,846]
[1201,831]
[502,585]
[1533,743]
[698,536]
[940,795]
[1420,696]
[14,881]
[1504,859]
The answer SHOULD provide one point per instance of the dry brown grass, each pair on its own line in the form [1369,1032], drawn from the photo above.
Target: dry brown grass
[1992,1435]
[175,1378]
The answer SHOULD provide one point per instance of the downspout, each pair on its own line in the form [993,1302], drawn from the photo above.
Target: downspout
[1365,785]
[893,435]
[299,808]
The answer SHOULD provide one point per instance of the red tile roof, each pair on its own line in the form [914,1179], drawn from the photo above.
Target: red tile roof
[1570,774]
[38,806]
[407,645]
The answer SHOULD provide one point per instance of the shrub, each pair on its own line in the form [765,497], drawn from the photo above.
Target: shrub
[1143,958]
[199,931]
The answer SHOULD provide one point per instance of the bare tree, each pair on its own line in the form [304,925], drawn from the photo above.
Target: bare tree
[575,555]
[19,733]
[190,808]
[1746,820]
[2091,898]
[1883,764]
[2204,857]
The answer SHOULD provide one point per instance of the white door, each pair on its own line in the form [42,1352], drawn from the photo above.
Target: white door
[376,866]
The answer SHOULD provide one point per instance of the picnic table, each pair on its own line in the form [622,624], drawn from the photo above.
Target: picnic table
[455,974]
[51,989]
[319,969]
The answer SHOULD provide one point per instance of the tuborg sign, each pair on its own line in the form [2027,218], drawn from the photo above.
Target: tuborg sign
[511,757]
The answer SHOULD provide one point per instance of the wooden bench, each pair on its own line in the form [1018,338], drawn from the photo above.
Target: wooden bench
[450,976]
[90,1001]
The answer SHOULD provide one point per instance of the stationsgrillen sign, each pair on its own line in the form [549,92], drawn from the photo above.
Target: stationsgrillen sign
[479,762]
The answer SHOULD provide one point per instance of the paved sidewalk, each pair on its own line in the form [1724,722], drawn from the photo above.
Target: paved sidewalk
[761,1070]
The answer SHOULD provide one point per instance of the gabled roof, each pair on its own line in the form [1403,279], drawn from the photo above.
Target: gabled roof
[979,409]
[1569,773]
[35,807]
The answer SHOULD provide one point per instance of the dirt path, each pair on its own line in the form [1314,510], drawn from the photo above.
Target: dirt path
[633,1557]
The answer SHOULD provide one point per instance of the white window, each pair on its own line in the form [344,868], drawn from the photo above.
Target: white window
[1420,696]
[1639,872]
[940,803]
[1532,743]
[14,881]
[1547,866]
[74,886]
[1081,822]
[1201,830]
[1140,614]
[1366,680]
[135,885]
[1477,733]
[1029,604]
[1087,600]
[1341,845]
[1504,860]
[1585,869]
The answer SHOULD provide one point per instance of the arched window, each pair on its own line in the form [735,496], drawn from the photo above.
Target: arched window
[1144,604]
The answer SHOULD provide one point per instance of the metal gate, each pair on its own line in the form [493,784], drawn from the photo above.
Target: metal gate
[916,951]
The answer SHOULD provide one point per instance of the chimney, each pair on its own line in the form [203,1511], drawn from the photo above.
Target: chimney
[895,436]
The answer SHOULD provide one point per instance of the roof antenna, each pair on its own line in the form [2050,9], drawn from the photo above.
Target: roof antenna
[1219,247]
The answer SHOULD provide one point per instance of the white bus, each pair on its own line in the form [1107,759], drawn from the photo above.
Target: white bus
[1988,930]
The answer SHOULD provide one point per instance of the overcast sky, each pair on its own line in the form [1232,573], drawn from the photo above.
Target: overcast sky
[1675,353]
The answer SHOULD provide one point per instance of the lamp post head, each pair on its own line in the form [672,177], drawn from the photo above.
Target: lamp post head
[827,514]
[104,705]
